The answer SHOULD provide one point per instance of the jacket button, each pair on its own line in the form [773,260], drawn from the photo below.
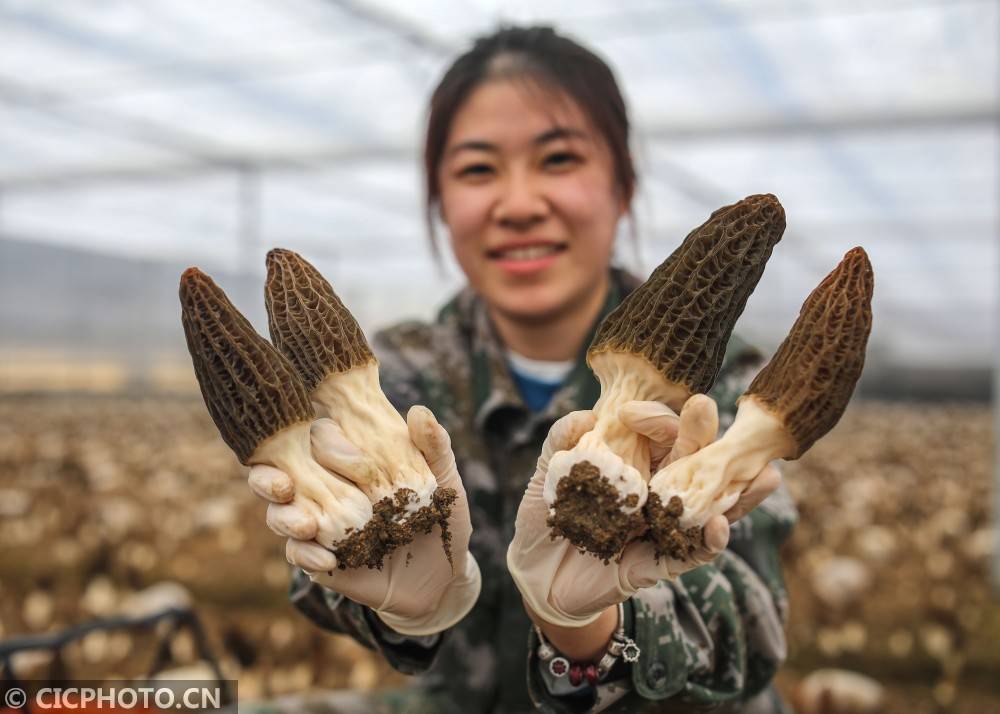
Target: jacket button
[656,675]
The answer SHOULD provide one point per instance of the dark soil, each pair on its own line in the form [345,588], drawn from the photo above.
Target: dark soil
[668,538]
[588,513]
[388,529]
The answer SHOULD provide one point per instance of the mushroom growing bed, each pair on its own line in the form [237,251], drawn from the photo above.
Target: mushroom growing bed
[887,569]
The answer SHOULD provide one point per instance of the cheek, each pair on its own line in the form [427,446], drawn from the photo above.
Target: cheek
[466,216]
[592,210]
[465,213]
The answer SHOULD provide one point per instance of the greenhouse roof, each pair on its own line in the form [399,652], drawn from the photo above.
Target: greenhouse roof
[206,133]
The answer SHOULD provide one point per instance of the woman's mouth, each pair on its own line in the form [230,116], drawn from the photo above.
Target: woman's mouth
[524,259]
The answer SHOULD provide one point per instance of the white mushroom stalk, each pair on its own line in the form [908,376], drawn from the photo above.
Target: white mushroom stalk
[320,337]
[616,452]
[355,400]
[665,342]
[794,401]
[259,405]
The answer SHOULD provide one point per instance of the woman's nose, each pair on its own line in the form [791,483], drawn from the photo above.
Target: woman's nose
[520,204]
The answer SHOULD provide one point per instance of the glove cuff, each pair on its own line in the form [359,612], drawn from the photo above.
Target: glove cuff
[555,617]
[456,602]
[535,591]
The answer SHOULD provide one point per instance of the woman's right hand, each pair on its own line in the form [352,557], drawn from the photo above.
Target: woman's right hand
[417,591]
[568,588]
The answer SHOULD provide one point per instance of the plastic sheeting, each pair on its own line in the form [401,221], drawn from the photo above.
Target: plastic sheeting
[184,132]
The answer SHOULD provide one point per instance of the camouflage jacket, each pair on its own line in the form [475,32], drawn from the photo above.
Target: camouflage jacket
[711,640]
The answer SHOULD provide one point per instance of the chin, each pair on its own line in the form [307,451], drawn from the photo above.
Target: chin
[532,305]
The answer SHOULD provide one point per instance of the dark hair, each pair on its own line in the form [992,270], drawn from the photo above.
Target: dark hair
[554,61]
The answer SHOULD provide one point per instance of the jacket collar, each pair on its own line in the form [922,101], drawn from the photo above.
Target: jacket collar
[493,387]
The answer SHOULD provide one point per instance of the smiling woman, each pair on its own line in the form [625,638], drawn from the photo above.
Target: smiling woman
[530,200]
[528,166]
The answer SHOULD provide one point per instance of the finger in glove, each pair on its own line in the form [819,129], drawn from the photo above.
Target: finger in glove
[641,568]
[763,485]
[716,533]
[657,422]
[334,451]
[699,426]
[291,521]
[566,432]
[432,441]
[270,483]
[310,556]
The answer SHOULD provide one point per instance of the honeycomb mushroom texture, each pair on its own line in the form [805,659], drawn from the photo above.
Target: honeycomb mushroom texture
[251,390]
[681,318]
[811,377]
[308,322]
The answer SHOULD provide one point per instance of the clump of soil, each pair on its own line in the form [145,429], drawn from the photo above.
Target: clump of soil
[665,532]
[392,526]
[588,512]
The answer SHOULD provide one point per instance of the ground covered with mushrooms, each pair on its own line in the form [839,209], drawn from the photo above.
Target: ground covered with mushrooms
[102,497]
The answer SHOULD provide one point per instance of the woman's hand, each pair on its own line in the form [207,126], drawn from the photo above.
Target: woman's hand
[564,589]
[699,427]
[417,591]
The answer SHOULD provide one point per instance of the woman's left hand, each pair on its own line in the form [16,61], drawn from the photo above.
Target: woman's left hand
[565,588]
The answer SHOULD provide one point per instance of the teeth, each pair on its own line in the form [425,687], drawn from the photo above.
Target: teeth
[531,253]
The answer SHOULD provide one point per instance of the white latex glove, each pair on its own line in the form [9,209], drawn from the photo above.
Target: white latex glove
[699,426]
[566,587]
[417,591]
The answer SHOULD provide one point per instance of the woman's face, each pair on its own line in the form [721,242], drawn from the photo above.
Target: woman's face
[528,194]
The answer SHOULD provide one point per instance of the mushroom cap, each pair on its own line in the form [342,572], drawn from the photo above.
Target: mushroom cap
[681,318]
[811,377]
[308,322]
[250,389]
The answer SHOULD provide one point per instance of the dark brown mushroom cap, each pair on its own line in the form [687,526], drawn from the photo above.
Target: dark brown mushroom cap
[250,389]
[308,322]
[681,318]
[811,377]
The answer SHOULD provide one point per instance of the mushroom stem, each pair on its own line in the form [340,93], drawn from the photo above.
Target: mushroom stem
[260,407]
[623,455]
[710,481]
[665,342]
[320,337]
[792,402]
[345,509]
[625,377]
[354,399]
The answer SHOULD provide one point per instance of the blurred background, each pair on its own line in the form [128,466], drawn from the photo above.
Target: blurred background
[137,139]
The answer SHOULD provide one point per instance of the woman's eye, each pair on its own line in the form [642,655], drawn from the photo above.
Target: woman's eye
[475,170]
[561,159]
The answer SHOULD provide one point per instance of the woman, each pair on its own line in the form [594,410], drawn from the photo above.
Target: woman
[527,164]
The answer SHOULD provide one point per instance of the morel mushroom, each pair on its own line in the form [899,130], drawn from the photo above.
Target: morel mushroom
[261,408]
[665,342]
[320,337]
[794,400]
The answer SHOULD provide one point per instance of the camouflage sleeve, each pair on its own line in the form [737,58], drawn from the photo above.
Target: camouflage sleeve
[714,636]
[711,639]
[336,613]
[401,380]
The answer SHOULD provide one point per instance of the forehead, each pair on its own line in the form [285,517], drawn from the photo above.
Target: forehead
[510,112]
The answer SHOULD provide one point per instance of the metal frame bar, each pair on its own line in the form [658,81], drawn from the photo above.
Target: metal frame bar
[207,160]
[180,617]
